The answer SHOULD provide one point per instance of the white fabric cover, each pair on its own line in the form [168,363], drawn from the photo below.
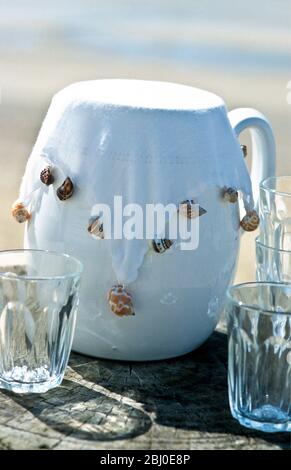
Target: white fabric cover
[151,142]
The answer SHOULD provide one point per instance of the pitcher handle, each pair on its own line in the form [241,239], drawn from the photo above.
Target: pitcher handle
[263,144]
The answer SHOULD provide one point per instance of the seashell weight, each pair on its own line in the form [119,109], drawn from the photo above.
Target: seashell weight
[161,245]
[65,191]
[95,228]
[20,213]
[230,195]
[46,176]
[120,301]
[188,208]
[244,150]
[250,221]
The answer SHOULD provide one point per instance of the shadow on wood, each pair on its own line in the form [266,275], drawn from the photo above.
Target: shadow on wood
[103,400]
[188,393]
[82,413]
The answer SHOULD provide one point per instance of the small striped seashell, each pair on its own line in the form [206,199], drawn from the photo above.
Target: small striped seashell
[250,221]
[46,176]
[188,209]
[95,228]
[230,195]
[244,150]
[66,190]
[161,245]
[20,213]
[120,301]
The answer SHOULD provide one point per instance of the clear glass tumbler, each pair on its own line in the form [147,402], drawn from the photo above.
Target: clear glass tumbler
[275,212]
[273,265]
[38,303]
[259,355]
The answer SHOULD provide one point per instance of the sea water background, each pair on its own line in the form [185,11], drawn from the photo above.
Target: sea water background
[181,31]
[240,50]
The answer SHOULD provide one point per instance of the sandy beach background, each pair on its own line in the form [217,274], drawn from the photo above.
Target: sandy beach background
[239,50]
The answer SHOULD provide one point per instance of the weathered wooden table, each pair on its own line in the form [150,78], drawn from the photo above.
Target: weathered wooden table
[176,404]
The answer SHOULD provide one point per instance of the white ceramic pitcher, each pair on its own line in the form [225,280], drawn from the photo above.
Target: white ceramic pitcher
[148,142]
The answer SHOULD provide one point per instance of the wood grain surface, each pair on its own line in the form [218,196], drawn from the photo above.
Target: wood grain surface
[175,404]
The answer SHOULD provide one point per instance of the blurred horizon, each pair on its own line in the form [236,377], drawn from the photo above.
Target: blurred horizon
[212,33]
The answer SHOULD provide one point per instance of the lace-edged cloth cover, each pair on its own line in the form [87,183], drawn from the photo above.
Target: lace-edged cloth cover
[146,155]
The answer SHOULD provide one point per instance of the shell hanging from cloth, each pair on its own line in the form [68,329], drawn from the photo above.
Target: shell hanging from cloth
[250,221]
[230,195]
[95,228]
[46,176]
[160,245]
[20,213]
[244,150]
[65,191]
[188,208]
[120,301]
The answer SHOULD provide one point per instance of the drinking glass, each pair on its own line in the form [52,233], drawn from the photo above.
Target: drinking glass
[38,303]
[259,355]
[275,212]
[273,265]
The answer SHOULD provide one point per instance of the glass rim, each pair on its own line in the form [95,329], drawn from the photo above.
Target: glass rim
[264,185]
[253,307]
[272,248]
[18,277]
